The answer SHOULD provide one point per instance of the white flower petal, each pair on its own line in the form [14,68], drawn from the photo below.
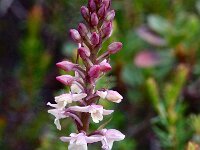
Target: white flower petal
[78,97]
[79,109]
[57,123]
[75,89]
[77,147]
[93,139]
[65,139]
[52,105]
[110,136]
[96,117]
[107,112]
[114,135]
[102,94]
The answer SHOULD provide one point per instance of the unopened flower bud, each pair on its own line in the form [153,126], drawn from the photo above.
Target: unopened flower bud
[85,12]
[114,47]
[106,3]
[98,1]
[82,29]
[110,15]
[94,19]
[92,5]
[66,65]
[66,79]
[94,71]
[110,95]
[101,11]
[104,66]
[75,35]
[84,52]
[94,38]
[107,29]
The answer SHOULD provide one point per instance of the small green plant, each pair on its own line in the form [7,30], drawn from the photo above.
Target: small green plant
[170,124]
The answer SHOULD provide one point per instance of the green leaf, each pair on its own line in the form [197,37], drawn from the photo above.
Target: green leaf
[104,124]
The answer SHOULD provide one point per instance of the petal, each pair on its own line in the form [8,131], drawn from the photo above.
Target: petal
[57,123]
[63,97]
[105,145]
[58,113]
[66,65]
[53,112]
[79,109]
[65,139]
[81,139]
[104,66]
[107,112]
[66,79]
[93,139]
[52,105]
[114,96]
[110,144]
[96,117]
[73,146]
[75,89]
[102,94]
[114,134]
[77,97]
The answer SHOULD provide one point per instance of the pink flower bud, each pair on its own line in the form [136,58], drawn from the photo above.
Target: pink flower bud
[98,1]
[104,66]
[106,3]
[82,29]
[85,12]
[114,47]
[92,5]
[75,35]
[110,15]
[66,79]
[84,52]
[101,11]
[94,38]
[94,71]
[107,29]
[66,65]
[94,19]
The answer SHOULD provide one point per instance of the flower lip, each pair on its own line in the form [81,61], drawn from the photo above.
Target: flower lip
[79,141]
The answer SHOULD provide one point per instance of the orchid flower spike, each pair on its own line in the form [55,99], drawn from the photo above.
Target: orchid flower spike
[81,102]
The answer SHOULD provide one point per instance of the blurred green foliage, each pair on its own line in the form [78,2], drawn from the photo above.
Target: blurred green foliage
[170,124]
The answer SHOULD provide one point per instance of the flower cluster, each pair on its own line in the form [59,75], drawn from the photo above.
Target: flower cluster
[81,103]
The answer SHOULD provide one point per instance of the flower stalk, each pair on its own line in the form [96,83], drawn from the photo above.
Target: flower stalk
[83,93]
